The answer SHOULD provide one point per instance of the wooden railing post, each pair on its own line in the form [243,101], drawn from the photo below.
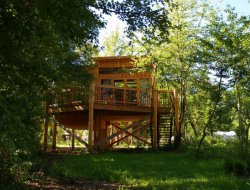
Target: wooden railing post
[91,115]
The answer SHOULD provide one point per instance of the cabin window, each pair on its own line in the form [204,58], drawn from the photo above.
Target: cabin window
[131,83]
[106,82]
[119,83]
[106,93]
[115,70]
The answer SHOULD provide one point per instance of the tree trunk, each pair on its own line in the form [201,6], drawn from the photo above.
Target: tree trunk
[182,112]
[192,125]
[211,115]
[240,122]
[247,135]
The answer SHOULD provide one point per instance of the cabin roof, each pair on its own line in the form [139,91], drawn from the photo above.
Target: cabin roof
[114,62]
[113,58]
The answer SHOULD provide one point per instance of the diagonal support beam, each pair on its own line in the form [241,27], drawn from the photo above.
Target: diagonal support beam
[129,134]
[70,132]
[133,125]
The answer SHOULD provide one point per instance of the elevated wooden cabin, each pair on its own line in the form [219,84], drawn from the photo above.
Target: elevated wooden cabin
[122,103]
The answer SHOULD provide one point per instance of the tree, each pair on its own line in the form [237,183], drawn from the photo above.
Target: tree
[40,41]
[115,45]
[224,46]
[175,55]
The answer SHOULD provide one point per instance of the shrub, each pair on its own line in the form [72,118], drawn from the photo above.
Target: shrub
[248,166]
[240,168]
[237,167]
[229,166]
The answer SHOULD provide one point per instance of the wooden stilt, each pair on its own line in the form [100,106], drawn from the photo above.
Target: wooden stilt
[73,139]
[46,124]
[104,133]
[91,116]
[54,137]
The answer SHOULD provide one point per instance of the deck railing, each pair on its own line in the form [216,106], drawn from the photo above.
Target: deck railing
[111,95]
[69,97]
[165,98]
[122,96]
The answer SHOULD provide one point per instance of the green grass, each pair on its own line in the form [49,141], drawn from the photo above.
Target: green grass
[149,170]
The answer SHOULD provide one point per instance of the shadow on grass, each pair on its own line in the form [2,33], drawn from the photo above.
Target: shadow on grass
[148,170]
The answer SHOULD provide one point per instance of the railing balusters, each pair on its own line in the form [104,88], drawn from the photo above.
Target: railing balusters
[112,95]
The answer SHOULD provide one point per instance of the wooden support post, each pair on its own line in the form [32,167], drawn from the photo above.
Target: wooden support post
[155,106]
[91,115]
[73,139]
[96,127]
[108,131]
[138,91]
[124,92]
[54,137]
[177,132]
[103,133]
[46,124]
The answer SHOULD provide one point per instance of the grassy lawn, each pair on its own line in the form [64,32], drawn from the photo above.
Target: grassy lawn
[149,170]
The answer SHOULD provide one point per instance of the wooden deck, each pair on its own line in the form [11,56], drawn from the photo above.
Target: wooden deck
[110,98]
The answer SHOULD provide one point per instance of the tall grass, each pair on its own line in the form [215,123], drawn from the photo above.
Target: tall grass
[150,170]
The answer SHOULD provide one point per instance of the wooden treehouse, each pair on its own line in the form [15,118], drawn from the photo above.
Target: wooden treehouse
[121,106]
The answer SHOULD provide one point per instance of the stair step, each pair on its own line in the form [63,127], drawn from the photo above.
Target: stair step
[165,122]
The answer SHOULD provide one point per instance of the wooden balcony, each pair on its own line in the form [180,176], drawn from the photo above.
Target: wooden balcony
[110,98]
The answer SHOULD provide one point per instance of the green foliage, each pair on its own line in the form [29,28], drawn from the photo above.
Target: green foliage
[115,45]
[238,167]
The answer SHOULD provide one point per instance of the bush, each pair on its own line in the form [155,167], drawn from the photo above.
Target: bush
[237,167]
[248,166]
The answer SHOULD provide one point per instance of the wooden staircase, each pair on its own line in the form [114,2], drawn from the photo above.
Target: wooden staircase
[165,122]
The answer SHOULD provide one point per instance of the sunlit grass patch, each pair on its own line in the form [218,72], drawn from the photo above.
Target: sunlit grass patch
[149,170]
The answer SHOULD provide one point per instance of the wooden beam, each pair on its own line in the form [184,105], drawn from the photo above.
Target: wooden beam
[107,139]
[124,92]
[46,124]
[91,115]
[133,133]
[118,140]
[103,134]
[138,91]
[54,136]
